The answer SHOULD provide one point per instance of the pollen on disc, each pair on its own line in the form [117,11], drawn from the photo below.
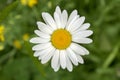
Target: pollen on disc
[61,39]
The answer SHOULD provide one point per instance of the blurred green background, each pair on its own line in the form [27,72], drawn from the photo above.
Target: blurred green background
[18,22]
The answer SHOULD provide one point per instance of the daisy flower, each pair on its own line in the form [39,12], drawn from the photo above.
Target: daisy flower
[59,39]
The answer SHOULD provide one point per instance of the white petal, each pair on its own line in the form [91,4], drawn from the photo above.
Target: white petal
[39,53]
[72,15]
[39,40]
[85,26]
[80,59]
[47,56]
[69,64]
[57,18]
[55,59]
[58,10]
[36,54]
[82,40]
[72,56]
[57,68]
[78,49]
[69,26]
[64,18]
[74,25]
[41,46]
[42,52]
[63,59]
[42,34]
[44,28]
[82,28]
[49,20]
[77,24]
[82,34]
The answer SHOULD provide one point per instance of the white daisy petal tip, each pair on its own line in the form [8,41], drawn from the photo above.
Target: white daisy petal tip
[70,70]
[43,13]
[42,62]
[91,41]
[88,24]
[33,48]
[75,12]
[58,9]
[32,40]
[83,17]
[87,53]
[59,38]
[56,70]
[37,22]
[35,54]
[36,32]
[82,61]
[90,32]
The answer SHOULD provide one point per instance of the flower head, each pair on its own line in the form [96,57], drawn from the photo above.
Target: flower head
[30,3]
[59,38]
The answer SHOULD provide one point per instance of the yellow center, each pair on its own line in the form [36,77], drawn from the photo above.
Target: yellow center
[61,39]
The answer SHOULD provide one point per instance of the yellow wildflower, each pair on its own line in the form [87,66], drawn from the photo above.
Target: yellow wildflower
[30,3]
[17,44]
[2,33]
[26,37]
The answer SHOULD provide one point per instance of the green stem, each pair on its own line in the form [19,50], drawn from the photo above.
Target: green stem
[36,62]
[111,57]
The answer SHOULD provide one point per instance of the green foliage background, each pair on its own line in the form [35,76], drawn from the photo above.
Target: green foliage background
[103,63]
